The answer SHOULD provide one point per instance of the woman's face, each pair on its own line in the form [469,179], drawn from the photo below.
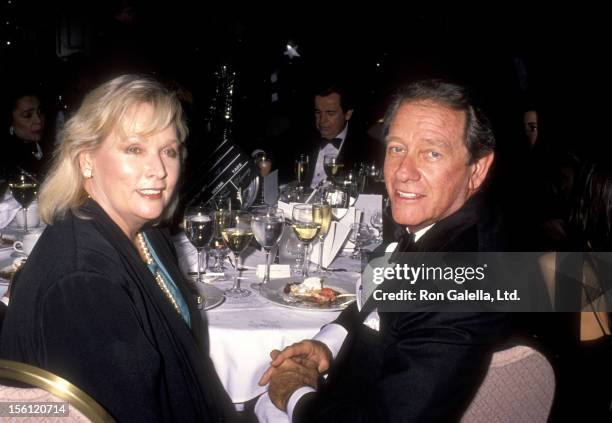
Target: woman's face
[28,119]
[133,178]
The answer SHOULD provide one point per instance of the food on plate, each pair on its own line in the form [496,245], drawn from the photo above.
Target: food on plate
[9,271]
[312,290]
[6,241]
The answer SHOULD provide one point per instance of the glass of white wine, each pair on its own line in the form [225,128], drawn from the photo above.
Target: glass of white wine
[237,235]
[332,167]
[199,226]
[267,226]
[305,228]
[24,189]
[322,216]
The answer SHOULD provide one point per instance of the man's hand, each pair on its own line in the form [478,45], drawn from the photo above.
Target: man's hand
[308,349]
[288,377]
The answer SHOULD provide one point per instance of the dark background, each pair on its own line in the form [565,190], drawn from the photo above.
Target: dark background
[65,48]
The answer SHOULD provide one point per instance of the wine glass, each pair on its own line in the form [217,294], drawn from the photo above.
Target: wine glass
[377,222]
[237,235]
[321,215]
[305,228]
[24,188]
[267,226]
[218,247]
[332,167]
[301,169]
[199,226]
[360,236]
[339,200]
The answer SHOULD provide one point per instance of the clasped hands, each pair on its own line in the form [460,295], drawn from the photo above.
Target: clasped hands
[296,366]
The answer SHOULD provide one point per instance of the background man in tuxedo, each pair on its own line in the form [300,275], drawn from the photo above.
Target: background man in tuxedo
[335,132]
[417,367]
[333,110]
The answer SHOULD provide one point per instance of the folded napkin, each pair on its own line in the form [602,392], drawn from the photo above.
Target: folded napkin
[187,254]
[335,239]
[287,209]
[270,187]
[276,271]
[8,209]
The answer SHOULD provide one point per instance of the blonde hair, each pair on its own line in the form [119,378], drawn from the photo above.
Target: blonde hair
[103,111]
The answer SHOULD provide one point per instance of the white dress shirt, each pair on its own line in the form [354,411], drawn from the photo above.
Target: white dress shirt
[329,149]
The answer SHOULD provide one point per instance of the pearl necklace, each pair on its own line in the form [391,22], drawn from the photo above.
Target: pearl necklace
[148,258]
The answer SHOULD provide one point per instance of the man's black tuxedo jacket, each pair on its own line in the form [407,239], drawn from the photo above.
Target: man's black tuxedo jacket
[420,367]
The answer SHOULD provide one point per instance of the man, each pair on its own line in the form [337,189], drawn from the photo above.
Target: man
[530,123]
[418,367]
[333,110]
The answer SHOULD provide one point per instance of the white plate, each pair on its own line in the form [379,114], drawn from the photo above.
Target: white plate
[213,296]
[274,291]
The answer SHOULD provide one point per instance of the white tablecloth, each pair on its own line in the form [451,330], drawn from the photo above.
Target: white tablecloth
[244,331]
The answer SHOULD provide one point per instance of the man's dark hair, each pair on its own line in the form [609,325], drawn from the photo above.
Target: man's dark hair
[478,138]
[346,100]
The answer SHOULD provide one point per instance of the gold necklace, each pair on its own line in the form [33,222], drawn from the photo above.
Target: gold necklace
[148,258]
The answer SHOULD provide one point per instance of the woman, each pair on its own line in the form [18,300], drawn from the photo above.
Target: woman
[582,341]
[101,301]
[23,147]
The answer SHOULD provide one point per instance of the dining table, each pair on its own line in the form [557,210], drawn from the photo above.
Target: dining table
[243,331]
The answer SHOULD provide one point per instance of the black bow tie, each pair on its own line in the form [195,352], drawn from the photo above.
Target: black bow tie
[406,243]
[335,142]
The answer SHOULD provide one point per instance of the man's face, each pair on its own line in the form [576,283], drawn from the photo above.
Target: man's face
[530,120]
[426,171]
[329,116]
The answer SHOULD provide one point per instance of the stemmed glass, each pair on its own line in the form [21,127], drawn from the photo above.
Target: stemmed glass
[322,216]
[339,201]
[377,222]
[332,167]
[237,235]
[218,247]
[267,226]
[24,188]
[199,227]
[305,228]
[360,235]
[301,169]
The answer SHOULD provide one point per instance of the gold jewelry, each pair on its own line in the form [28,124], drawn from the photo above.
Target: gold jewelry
[159,279]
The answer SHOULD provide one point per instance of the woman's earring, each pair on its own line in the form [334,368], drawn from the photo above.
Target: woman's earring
[87,174]
[12,130]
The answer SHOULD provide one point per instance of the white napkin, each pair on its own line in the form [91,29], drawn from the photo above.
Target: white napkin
[335,239]
[287,209]
[8,209]
[276,271]
[270,187]
[187,254]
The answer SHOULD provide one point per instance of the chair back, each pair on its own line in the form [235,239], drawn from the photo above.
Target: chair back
[519,387]
[23,383]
